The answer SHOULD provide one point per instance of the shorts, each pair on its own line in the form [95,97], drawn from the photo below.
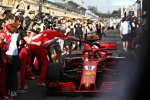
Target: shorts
[125,37]
[67,43]
[56,47]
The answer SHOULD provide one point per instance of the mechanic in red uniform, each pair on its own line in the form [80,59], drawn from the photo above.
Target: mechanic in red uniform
[24,56]
[35,50]
[32,48]
[5,36]
[43,40]
[3,90]
[51,36]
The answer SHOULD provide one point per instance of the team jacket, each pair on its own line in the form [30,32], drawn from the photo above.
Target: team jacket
[48,37]
[6,38]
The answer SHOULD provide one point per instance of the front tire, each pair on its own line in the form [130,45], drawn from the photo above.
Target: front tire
[54,72]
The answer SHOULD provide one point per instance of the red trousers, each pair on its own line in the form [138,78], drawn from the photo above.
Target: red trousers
[3,90]
[41,54]
[23,57]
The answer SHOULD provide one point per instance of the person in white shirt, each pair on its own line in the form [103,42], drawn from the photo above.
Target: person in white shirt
[125,28]
[11,51]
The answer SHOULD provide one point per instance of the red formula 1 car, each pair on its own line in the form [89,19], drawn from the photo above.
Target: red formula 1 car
[91,70]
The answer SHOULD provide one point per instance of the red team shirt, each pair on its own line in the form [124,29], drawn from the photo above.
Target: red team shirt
[5,33]
[6,36]
[48,37]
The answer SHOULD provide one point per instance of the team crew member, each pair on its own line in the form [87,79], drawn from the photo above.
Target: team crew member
[24,55]
[28,48]
[124,31]
[3,90]
[50,50]
[98,30]
[40,53]
[78,33]
[51,36]
[48,37]
[13,61]
[34,50]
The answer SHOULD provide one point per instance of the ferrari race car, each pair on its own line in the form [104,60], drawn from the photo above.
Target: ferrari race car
[91,70]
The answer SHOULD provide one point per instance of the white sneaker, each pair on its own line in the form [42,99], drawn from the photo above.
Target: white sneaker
[126,50]
[13,93]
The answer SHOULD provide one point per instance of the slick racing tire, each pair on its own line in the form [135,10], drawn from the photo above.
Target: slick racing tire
[54,72]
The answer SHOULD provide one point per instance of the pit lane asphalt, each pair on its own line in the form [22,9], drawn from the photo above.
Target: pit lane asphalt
[40,93]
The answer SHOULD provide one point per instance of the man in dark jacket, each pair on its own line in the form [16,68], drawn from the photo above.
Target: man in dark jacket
[78,33]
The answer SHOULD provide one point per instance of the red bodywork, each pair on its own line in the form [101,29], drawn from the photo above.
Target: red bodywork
[109,45]
[92,58]
[89,76]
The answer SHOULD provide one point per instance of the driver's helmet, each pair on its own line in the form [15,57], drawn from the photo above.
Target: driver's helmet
[95,36]
[92,36]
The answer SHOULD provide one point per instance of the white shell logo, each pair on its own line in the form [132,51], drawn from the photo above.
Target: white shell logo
[89,67]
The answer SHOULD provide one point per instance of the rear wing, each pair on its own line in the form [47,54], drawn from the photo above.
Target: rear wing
[109,45]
